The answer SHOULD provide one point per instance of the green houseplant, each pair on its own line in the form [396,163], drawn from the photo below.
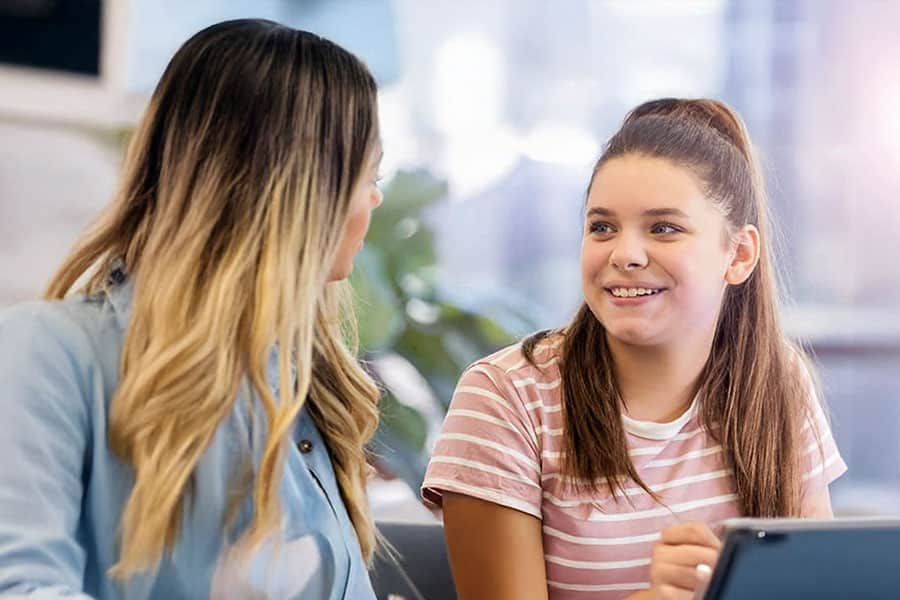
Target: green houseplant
[417,336]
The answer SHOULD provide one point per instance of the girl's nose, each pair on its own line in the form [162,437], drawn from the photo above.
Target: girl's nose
[628,255]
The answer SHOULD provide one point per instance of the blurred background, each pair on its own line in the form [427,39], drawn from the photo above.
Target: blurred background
[492,115]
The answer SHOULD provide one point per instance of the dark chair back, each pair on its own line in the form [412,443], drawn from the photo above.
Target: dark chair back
[421,570]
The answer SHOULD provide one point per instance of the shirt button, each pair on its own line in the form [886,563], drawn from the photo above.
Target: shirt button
[305,446]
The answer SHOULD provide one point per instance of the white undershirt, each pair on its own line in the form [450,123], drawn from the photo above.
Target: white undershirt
[659,431]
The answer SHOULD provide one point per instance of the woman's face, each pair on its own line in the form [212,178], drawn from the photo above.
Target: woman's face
[366,198]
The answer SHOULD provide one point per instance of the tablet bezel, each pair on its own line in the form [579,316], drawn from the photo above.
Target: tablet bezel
[740,532]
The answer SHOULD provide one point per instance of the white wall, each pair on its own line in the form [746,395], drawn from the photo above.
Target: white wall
[53,182]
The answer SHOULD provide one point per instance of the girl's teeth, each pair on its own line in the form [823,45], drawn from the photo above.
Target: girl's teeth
[632,292]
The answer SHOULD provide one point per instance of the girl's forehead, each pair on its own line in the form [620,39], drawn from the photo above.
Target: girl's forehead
[644,188]
[646,174]
[623,187]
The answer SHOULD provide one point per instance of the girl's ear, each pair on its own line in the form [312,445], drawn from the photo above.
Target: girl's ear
[746,255]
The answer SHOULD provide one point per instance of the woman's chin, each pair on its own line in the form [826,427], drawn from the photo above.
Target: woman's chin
[339,273]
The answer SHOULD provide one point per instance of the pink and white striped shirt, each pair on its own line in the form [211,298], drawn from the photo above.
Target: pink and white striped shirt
[501,442]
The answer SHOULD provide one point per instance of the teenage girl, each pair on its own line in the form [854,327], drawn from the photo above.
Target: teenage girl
[592,461]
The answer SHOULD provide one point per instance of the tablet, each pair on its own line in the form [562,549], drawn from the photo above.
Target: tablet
[806,558]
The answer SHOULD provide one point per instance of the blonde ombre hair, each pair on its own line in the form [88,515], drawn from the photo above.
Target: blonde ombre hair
[235,193]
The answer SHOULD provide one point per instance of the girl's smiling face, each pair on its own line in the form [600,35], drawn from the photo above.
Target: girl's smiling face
[656,254]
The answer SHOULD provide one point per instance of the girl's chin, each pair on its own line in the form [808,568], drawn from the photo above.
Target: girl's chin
[633,336]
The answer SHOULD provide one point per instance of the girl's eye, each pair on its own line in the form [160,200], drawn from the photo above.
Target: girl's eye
[377,179]
[664,228]
[600,227]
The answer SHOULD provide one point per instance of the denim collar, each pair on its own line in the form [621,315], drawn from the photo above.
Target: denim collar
[120,292]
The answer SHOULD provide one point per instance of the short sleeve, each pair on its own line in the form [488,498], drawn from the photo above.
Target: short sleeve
[488,447]
[820,460]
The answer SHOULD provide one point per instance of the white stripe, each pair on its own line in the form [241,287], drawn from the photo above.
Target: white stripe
[451,485]
[477,391]
[462,412]
[505,353]
[487,394]
[578,480]
[815,472]
[482,368]
[662,462]
[472,464]
[689,434]
[636,491]
[665,462]
[594,541]
[683,481]
[474,414]
[524,362]
[606,587]
[540,404]
[637,452]
[634,452]
[518,365]
[645,451]
[551,432]
[814,445]
[598,516]
[483,371]
[596,566]
[539,385]
[463,437]
[538,350]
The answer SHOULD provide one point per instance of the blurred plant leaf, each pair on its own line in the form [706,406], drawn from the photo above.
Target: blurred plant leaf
[404,311]
[405,423]
[377,302]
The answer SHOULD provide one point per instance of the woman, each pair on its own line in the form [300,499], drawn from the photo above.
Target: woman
[191,422]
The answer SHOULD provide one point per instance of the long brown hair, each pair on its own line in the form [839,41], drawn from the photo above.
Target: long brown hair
[235,192]
[755,385]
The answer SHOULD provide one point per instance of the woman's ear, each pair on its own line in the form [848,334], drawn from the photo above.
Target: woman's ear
[745,257]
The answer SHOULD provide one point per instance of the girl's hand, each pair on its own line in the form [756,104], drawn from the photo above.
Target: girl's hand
[673,568]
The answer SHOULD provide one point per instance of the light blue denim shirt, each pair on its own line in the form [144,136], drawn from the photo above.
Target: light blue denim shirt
[62,490]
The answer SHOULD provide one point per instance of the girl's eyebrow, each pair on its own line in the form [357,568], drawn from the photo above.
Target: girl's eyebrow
[665,212]
[650,212]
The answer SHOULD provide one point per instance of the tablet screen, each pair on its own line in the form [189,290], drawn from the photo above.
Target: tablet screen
[819,560]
